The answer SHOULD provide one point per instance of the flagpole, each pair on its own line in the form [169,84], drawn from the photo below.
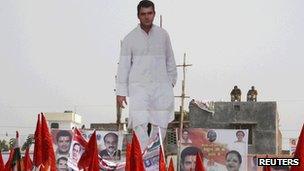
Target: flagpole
[161,141]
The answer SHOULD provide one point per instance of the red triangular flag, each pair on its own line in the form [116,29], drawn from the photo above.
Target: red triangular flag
[9,163]
[299,153]
[136,160]
[162,164]
[2,167]
[27,162]
[199,166]
[89,159]
[49,155]
[37,156]
[45,167]
[128,157]
[171,166]
[79,138]
[266,168]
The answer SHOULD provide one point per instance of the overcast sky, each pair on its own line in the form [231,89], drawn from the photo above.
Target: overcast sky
[58,55]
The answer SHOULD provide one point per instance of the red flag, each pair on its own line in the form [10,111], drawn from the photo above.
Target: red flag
[299,153]
[266,168]
[171,166]
[45,167]
[199,166]
[27,162]
[136,160]
[89,159]
[2,167]
[128,157]
[47,143]
[37,156]
[9,163]
[79,138]
[162,164]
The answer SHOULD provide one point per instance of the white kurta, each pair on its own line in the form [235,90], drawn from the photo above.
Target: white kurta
[146,74]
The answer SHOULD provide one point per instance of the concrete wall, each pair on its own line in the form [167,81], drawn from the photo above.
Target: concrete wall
[262,116]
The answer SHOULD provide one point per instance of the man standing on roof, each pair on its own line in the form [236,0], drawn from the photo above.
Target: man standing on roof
[147,74]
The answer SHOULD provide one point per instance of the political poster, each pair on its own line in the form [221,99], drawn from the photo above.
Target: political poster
[221,149]
[69,147]
[62,140]
[109,143]
[151,154]
[292,145]
[77,149]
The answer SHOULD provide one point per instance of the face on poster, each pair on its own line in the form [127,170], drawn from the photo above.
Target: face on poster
[109,143]
[62,140]
[222,149]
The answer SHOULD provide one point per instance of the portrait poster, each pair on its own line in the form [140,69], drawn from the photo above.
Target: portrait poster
[109,143]
[292,145]
[217,146]
[77,149]
[62,140]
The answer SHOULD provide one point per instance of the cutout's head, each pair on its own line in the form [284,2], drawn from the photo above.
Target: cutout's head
[146,13]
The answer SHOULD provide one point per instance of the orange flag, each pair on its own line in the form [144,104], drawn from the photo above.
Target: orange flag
[299,153]
[1,162]
[171,166]
[162,163]
[89,159]
[136,160]
[199,166]
[37,156]
[27,162]
[48,157]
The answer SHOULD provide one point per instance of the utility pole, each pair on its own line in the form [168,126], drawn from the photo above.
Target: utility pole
[183,95]
[181,108]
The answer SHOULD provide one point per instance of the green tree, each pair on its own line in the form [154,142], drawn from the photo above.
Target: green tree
[29,141]
[3,145]
[12,143]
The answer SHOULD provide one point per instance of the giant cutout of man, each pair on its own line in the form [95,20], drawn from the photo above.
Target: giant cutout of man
[147,74]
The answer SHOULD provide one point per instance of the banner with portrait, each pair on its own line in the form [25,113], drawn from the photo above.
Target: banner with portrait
[62,140]
[68,149]
[221,149]
[109,143]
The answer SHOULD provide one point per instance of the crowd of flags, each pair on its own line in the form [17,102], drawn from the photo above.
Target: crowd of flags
[44,154]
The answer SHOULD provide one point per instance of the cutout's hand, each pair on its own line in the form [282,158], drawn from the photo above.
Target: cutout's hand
[120,100]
